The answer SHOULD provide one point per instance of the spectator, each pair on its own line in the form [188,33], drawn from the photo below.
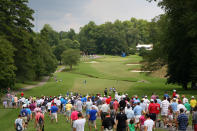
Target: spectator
[193,102]
[194,119]
[188,107]
[132,125]
[68,111]
[39,121]
[164,110]
[137,112]
[74,116]
[108,123]
[148,124]
[53,112]
[92,118]
[182,121]
[121,121]
[19,124]
[79,124]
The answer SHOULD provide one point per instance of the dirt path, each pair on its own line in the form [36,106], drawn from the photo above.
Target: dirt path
[41,83]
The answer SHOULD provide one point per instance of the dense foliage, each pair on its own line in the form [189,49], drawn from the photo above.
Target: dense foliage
[24,55]
[71,57]
[114,38]
[178,42]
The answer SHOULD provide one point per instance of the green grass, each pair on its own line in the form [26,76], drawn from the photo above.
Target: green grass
[110,71]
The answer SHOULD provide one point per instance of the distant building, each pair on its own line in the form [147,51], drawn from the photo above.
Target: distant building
[146,46]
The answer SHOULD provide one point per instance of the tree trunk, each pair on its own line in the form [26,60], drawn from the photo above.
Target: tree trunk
[70,67]
[184,86]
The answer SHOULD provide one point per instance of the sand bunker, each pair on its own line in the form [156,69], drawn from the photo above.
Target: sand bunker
[138,71]
[132,64]
[92,62]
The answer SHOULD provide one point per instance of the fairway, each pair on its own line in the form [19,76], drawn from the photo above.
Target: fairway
[106,72]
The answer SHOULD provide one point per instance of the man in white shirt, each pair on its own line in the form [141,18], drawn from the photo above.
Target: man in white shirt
[79,124]
[19,124]
[148,124]
[104,110]
[180,105]
[164,110]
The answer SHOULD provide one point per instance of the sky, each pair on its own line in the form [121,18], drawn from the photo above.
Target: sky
[65,14]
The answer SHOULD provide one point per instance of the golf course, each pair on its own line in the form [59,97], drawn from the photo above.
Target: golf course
[92,76]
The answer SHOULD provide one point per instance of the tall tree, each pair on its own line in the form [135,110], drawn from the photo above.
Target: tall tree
[7,67]
[181,38]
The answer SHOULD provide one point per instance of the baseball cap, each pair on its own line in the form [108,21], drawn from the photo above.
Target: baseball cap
[151,100]
[192,97]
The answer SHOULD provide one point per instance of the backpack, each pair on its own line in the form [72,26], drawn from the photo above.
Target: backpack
[40,120]
[18,127]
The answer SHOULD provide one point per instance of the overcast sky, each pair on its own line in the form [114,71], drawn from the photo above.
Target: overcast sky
[65,14]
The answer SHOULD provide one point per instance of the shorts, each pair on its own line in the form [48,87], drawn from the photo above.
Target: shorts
[103,114]
[153,116]
[92,122]
[24,119]
[164,113]
[53,116]
[87,112]
[137,118]
[68,113]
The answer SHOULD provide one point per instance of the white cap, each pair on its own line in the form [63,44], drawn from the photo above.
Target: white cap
[174,90]
[145,96]
[192,97]
[174,98]
[151,100]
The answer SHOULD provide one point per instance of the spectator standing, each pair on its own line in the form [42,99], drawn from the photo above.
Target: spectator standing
[92,118]
[108,123]
[182,121]
[164,110]
[188,107]
[53,112]
[39,121]
[148,124]
[79,124]
[193,102]
[194,119]
[19,124]
[121,120]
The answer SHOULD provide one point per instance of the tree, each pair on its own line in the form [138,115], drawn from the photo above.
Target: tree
[71,57]
[181,39]
[7,67]
[50,35]
[44,60]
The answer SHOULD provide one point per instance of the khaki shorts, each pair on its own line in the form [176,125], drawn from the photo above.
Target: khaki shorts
[137,118]
[53,116]
[92,122]
[24,119]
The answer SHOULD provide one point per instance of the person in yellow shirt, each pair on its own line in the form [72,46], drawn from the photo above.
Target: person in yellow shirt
[68,111]
[193,102]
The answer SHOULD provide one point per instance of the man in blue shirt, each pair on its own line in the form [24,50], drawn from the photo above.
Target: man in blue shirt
[92,118]
[53,112]
[174,106]
[137,112]
[182,121]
